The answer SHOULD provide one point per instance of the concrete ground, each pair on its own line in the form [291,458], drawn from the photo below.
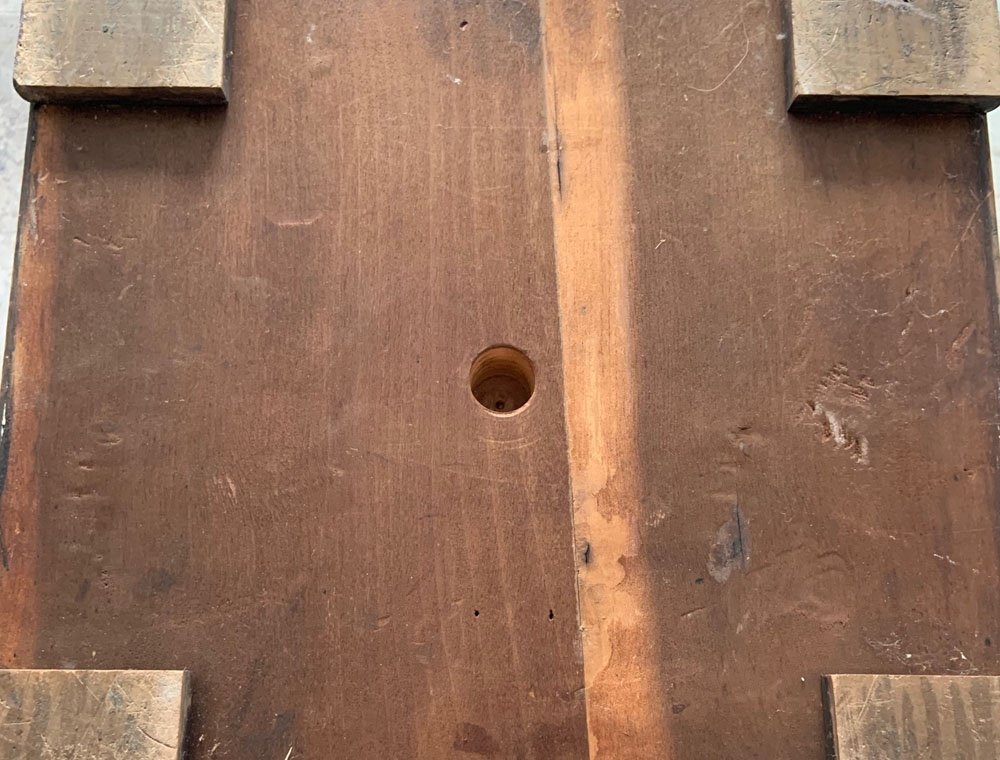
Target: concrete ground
[13,127]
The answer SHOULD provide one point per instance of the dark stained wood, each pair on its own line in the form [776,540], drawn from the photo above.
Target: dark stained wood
[242,435]
[815,366]
[926,55]
[242,438]
[877,717]
[124,51]
[92,714]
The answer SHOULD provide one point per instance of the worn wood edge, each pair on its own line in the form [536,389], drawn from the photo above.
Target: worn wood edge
[228,50]
[139,96]
[832,678]
[6,380]
[829,718]
[184,674]
[185,710]
[25,379]
[590,171]
[804,102]
[788,36]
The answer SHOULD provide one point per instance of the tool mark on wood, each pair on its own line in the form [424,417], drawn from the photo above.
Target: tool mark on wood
[841,433]
[956,352]
[838,403]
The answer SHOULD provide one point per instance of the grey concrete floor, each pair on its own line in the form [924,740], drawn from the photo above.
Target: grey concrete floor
[13,128]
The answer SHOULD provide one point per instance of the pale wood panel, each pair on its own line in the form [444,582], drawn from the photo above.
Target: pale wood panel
[93,714]
[124,50]
[893,54]
[885,717]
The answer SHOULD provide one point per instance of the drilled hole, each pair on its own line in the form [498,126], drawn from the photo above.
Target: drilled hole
[502,379]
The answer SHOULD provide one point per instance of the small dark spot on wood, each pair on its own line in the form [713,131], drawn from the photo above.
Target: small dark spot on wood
[475,740]
[552,615]
[586,554]
[463,25]
[84,587]
[475,613]
[699,581]
[988,641]
[678,709]
[161,580]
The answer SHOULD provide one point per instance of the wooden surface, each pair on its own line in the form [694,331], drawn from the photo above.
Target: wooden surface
[285,483]
[880,717]
[92,714]
[124,51]
[816,411]
[761,444]
[893,54]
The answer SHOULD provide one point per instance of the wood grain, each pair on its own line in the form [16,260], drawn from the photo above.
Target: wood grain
[761,443]
[92,714]
[815,331]
[258,454]
[591,181]
[893,54]
[880,717]
[124,51]
[25,385]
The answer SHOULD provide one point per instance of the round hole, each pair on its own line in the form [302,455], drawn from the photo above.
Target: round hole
[502,379]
